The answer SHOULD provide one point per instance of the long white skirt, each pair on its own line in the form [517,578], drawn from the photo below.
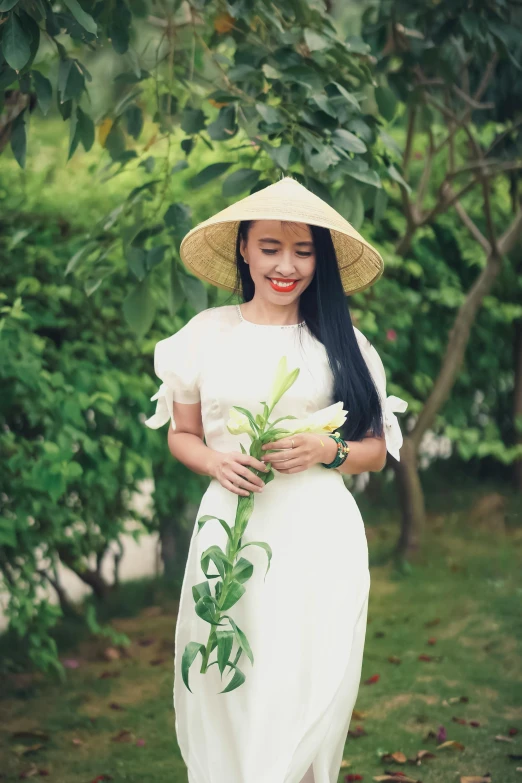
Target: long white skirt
[306,625]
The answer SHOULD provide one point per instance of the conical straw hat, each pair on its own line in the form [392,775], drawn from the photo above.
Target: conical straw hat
[209,249]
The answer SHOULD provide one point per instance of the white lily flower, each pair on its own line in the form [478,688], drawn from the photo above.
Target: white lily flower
[238,423]
[324,420]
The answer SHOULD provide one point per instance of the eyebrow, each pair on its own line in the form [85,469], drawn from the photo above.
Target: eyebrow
[277,242]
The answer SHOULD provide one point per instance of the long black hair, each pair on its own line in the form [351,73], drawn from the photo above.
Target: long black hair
[323,306]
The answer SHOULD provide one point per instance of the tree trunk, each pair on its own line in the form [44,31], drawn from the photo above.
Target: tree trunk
[412,502]
[517,399]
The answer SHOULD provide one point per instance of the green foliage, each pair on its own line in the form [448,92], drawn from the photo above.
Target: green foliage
[75,389]
[266,90]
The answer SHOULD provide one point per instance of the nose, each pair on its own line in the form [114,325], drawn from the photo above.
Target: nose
[286,266]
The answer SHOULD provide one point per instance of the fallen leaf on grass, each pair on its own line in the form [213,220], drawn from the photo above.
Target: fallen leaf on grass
[454,700]
[394,659]
[104,675]
[115,706]
[352,777]
[398,756]
[423,754]
[111,654]
[358,715]
[32,771]
[501,738]
[146,642]
[357,732]
[396,777]
[140,742]
[125,735]
[476,779]
[372,679]
[345,763]
[513,731]
[432,640]
[431,623]
[76,741]
[451,744]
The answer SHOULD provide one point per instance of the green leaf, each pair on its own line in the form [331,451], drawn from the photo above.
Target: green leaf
[361,173]
[44,91]
[115,142]
[85,129]
[243,570]
[349,97]
[187,659]
[284,156]
[269,113]
[348,141]
[178,218]
[315,41]
[136,260]
[234,592]
[239,181]
[195,292]
[208,174]
[139,309]
[237,680]
[386,102]
[16,45]
[225,126]
[71,81]
[394,174]
[205,518]
[134,117]
[19,139]
[225,641]
[323,103]
[356,45]
[241,638]
[349,203]
[86,20]
[192,121]
[156,255]
[264,546]
[324,159]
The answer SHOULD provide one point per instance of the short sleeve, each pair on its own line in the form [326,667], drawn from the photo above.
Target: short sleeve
[389,404]
[177,364]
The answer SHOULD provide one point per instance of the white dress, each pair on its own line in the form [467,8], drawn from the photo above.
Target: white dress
[306,621]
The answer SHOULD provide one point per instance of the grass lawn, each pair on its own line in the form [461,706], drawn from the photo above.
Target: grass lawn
[460,604]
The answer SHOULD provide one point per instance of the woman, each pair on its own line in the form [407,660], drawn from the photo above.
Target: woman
[294,259]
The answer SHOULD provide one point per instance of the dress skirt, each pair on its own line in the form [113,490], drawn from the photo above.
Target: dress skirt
[306,624]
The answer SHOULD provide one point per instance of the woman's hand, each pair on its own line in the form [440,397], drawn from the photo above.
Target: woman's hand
[233,471]
[309,449]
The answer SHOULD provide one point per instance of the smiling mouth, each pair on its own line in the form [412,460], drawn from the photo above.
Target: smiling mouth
[282,285]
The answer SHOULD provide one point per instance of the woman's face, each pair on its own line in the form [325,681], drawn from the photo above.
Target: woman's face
[277,250]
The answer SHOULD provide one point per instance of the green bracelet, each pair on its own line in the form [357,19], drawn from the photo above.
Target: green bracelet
[342,451]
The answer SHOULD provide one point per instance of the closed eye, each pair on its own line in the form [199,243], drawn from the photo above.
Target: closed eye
[272,252]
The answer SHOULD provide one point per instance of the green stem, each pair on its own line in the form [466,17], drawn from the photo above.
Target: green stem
[232,552]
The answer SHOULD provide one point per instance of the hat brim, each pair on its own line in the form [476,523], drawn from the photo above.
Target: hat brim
[209,249]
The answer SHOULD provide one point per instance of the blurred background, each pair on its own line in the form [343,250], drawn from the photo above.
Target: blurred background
[122,125]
